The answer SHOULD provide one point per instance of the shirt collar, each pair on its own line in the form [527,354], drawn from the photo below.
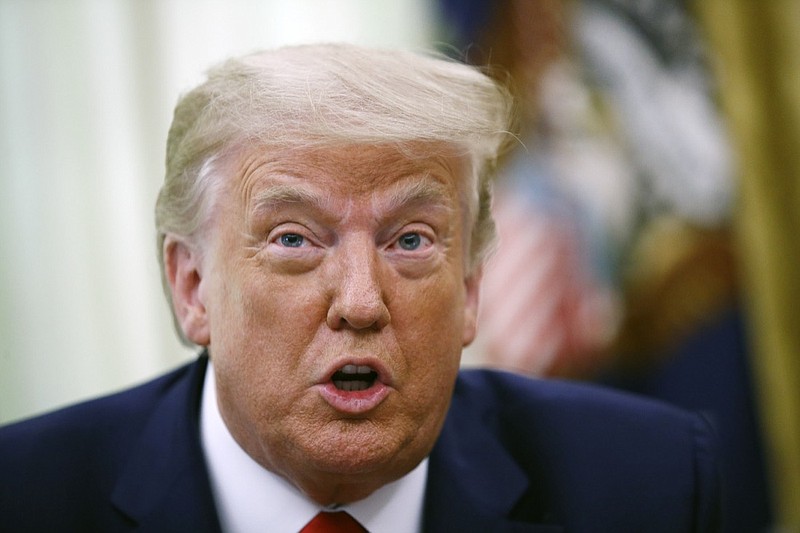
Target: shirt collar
[251,498]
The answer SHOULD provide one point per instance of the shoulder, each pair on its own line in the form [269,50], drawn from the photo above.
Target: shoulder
[92,419]
[559,413]
[516,399]
[72,456]
[592,447]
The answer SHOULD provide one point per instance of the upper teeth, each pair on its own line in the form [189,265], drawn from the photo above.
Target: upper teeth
[356,369]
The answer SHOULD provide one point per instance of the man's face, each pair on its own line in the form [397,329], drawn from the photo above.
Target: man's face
[333,296]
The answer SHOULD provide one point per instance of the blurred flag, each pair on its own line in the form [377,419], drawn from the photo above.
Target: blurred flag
[541,311]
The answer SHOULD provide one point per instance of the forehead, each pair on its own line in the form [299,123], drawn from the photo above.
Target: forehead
[350,170]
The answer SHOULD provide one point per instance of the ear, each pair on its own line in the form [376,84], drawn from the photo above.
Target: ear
[182,266]
[472,289]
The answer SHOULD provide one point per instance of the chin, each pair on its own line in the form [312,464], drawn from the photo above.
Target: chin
[360,448]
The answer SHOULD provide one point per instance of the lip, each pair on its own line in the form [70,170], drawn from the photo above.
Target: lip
[356,402]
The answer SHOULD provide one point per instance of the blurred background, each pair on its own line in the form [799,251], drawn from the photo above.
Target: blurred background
[647,216]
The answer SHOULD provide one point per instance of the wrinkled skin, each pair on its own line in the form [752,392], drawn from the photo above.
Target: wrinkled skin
[316,258]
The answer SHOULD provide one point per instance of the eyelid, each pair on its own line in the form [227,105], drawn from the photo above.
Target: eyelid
[426,233]
[291,228]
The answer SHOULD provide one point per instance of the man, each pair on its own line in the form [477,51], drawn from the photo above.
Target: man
[322,227]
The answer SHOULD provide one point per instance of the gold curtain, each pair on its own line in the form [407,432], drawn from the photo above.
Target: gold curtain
[756,48]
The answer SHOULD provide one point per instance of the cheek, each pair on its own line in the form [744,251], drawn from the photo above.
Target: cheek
[259,341]
[429,321]
[282,314]
[253,312]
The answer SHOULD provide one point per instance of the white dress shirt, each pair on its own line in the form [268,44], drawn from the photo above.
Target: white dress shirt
[250,498]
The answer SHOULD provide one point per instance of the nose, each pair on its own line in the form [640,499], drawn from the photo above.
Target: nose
[358,299]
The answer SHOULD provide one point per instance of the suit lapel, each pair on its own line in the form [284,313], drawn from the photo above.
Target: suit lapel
[165,486]
[474,484]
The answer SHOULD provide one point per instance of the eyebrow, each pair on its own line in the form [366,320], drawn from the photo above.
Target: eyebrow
[404,194]
[417,192]
[285,194]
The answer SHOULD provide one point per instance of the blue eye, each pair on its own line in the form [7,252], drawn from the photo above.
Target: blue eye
[409,241]
[292,240]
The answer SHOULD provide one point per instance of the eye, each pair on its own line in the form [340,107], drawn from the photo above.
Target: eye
[292,240]
[409,241]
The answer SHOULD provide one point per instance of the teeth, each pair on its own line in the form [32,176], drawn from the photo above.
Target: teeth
[354,378]
[353,369]
[351,385]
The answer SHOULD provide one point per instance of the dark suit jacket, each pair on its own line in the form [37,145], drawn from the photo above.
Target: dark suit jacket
[514,455]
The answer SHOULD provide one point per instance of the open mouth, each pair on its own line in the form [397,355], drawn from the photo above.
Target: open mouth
[354,378]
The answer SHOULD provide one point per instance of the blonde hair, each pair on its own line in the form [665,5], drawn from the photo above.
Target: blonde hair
[332,94]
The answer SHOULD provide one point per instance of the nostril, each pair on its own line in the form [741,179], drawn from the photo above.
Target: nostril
[358,315]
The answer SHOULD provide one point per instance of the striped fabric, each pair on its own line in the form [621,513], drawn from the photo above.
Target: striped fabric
[541,311]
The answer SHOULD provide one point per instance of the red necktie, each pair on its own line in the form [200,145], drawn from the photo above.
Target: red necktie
[336,522]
